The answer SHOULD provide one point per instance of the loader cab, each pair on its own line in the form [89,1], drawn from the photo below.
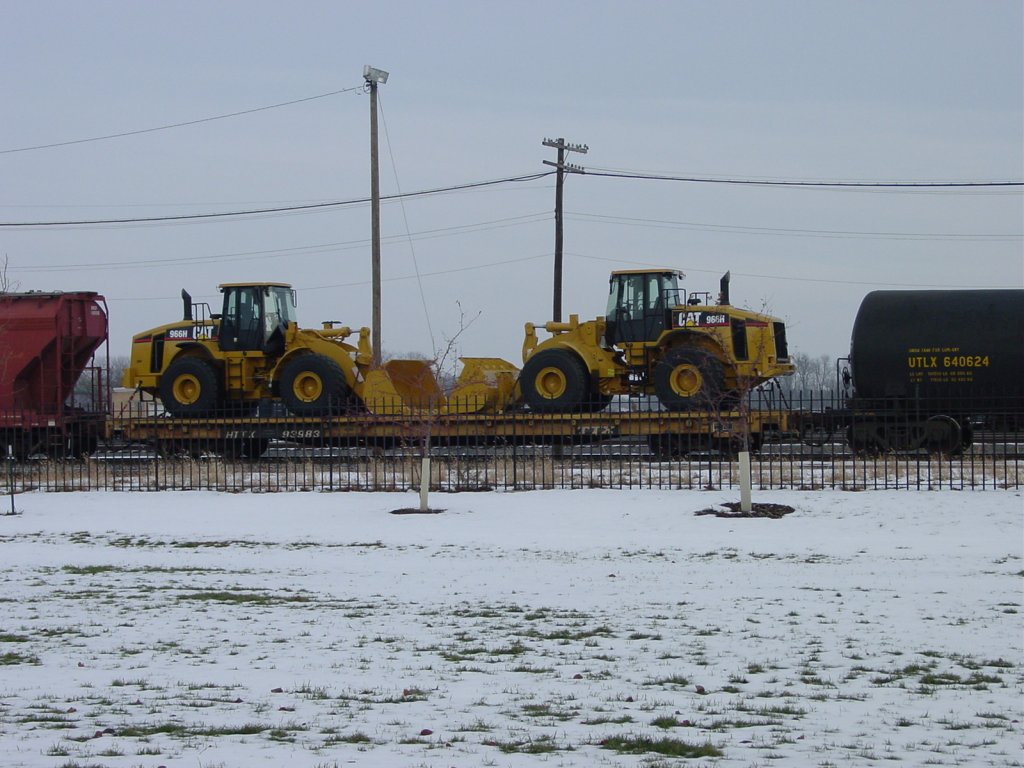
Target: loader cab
[256,316]
[640,305]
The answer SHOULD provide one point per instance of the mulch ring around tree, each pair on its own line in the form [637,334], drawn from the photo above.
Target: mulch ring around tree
[757,509]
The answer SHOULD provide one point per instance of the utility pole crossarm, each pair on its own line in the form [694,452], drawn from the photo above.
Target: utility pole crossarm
[570,167]
[560,144]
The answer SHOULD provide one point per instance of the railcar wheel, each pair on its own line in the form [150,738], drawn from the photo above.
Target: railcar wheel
[555,381]
[689,380]
[251,448]
[190,387]
[862,439]
[313,385]
[942,434]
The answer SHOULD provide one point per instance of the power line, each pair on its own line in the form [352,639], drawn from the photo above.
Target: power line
[344,245]
[307,289]
[178,125]
[765,182]
[283,209]
[489,265]
[312,207]
[787,278]
[412,248]
[795,232]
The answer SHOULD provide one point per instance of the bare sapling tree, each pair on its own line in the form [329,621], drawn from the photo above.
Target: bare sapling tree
[429,387]
[743,440]
[7,285]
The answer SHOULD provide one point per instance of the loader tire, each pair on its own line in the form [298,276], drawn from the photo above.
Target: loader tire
[190,387]
[555,381]
[313,385]
[689,380]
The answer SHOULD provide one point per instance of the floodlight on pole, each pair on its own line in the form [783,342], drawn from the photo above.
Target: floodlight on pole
[374,75]
[373,78]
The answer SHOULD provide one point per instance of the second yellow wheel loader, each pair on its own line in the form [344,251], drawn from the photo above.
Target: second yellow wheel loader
[690,353]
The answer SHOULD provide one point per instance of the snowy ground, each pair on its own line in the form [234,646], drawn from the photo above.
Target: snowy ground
[564,628]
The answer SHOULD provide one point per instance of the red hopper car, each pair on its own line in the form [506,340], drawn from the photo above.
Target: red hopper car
[47,341]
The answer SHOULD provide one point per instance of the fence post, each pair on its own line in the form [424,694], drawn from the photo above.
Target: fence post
[10,477]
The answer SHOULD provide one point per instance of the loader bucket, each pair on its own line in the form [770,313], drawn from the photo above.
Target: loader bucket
[486,384]
[401,386]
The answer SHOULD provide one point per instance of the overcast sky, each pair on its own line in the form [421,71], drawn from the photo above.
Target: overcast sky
[865,91]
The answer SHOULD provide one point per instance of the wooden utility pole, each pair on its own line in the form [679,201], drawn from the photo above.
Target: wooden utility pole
[562,167]
[373,77]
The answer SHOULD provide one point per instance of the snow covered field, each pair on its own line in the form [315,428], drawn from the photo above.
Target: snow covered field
[563,628]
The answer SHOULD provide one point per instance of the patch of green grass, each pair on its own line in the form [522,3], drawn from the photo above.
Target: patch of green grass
[933,679]
[665,721]
[143,731]
[48,719]
[127,541]
[462,654]
[89,570]
[350,738]
[477,726]
[539,746]
[809,678]
[9,638]
[638,745]
[60,631]
[568,635]
[317,693]
[546,710]
[515,649]
[251,598]
[726,723]
[999,663]
[678,680]
[992,716]
[121,682]
[607,719]
[772,710]
[10,659]
[178,729]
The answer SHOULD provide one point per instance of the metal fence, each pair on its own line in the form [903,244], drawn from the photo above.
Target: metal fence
[803,442]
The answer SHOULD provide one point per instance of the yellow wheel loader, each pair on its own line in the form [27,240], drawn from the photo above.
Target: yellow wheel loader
[210,364]
[688,352]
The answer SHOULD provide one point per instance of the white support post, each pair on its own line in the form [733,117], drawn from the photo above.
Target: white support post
[745,504]
[424,482]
